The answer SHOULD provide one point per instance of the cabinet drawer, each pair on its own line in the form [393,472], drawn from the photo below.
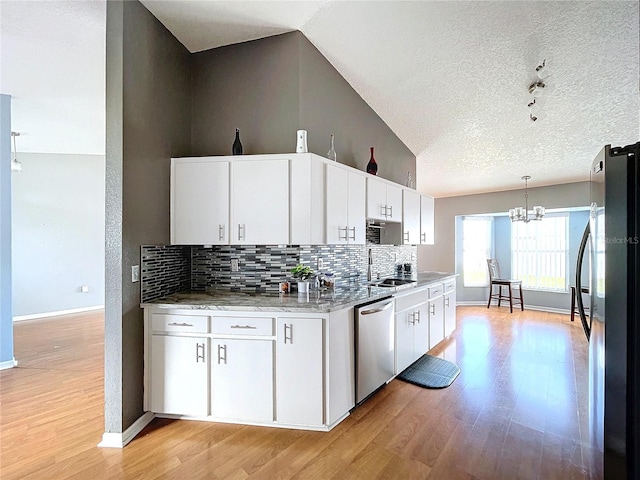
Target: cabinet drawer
[410,300]
[435,290]
[449,286]
[242,325]
[161,322]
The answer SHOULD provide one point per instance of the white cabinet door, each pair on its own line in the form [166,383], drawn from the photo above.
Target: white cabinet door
[394,203]
[345,206]
[199,202]
[376,199]
[179,375]
[299,371]
[260,202]
[436,321]
[421,331]
[337,200]
[356,232]
[449,313]
[242,379]
[410,217]
[404,339]
[426,220]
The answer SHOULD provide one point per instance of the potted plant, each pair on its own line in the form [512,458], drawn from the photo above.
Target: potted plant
[302,274]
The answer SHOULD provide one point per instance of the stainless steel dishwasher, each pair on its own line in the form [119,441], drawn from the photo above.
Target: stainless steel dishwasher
[374,336]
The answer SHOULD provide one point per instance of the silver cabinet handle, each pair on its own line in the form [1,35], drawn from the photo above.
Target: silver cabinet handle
[417,316]
[391,211]
[220,232]
[411,318]
[340,237]
[200,353]
[423,237]
[174,324]
[406,237]
[383,211]
[222,354]
[242,231]
[353,233]
[432,308]
[290,336]
[377,310]
[447,301]
[243,326]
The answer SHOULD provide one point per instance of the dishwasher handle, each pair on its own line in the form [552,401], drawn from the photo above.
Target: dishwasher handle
[382,308]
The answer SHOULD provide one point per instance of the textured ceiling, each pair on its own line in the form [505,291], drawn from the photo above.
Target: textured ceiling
[449,78]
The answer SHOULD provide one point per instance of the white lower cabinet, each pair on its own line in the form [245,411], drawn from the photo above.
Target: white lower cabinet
[436,321]
[449,313]
[412,335]
[179,375]
[268,368]
[242,379]
[299,371]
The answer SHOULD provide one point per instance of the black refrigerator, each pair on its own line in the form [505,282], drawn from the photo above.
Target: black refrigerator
[611,252]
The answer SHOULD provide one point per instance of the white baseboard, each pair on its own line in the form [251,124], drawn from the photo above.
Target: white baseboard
[57,313]
[537,308]
[8,364]
[119,440]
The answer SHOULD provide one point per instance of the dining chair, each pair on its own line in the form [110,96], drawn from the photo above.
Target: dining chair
[496,280]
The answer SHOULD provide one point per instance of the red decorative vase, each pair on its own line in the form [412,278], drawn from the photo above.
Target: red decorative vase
[372,166]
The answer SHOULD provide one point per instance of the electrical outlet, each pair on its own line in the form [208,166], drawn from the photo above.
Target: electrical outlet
[84,288]
[320,264]
[235,265]
[135,273]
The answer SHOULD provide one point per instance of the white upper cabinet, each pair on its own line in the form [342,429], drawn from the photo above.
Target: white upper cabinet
[345,206]
[199,202]
[384,200]
[426,220]
[260,202]
[289,199]
[410,217]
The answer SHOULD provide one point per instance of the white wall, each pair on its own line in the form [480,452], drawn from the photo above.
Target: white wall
[58,233]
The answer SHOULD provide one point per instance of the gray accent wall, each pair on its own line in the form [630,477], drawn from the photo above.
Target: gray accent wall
[58,233]
[272,87]
[148,122]
[6,315]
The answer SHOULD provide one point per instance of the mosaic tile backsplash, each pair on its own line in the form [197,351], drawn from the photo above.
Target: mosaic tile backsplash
[261,268]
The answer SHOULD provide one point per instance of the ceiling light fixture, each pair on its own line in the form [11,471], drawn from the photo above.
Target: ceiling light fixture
[16,166]
[521,214]
[536,90]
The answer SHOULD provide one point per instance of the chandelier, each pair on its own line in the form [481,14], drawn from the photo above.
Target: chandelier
[521,214]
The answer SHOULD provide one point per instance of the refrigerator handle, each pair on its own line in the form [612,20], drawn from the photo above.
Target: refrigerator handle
[583,246]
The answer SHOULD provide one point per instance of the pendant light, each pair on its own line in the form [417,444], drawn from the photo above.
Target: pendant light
[521,214]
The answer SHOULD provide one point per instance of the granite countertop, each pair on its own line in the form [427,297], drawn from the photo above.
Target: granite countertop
[328,300]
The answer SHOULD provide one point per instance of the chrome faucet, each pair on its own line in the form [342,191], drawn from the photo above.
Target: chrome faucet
[369,267]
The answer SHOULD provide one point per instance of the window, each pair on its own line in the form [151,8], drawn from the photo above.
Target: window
[539,254]
[476,248]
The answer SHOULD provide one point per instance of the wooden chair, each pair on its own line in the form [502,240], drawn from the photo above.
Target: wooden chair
[495,280]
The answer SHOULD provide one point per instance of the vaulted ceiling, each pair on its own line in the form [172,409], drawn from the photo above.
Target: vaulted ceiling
[449,78]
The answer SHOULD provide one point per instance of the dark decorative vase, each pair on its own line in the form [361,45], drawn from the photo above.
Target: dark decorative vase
[237,145]
[372,166]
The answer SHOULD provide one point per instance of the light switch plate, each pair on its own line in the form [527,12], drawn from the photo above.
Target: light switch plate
[135,273]
[235,265]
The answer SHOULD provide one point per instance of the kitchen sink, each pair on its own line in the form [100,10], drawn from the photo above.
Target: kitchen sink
[394,282]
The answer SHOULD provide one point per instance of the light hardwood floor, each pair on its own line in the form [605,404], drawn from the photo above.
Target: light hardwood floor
[517,410]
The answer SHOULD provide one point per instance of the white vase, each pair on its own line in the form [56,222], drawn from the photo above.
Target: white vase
[303,287]
[301,143]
